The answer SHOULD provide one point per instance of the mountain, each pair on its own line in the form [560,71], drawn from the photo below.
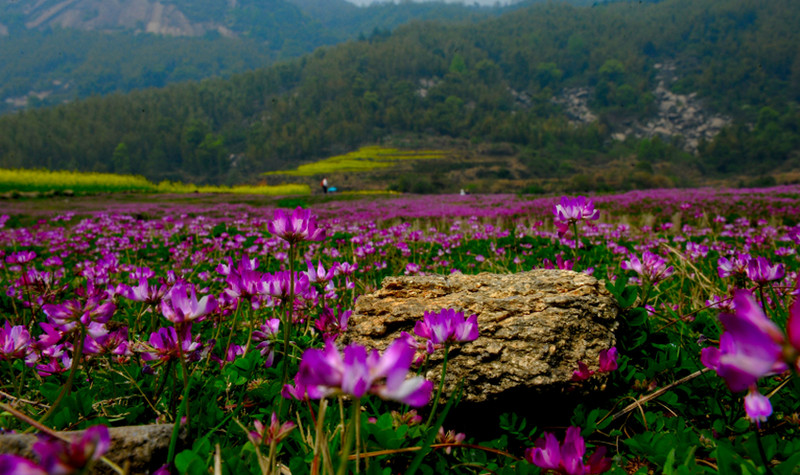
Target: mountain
[54,51]
[506,85]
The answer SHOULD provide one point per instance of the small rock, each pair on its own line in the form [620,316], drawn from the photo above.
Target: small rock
[534,327]
[143,447]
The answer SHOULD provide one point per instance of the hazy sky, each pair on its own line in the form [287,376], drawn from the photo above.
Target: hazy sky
[470,2]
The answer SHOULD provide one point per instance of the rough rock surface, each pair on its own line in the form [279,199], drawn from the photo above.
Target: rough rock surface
[534,327]
[144,447]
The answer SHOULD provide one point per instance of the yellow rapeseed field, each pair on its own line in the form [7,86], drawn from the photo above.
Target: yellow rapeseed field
[362,160]
[89,182]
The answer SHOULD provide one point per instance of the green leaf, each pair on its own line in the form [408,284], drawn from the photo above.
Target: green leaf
[188,462]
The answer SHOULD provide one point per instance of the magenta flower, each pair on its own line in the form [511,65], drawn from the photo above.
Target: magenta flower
[21,257]
[608,363]
[332,324]
[55,364]
[244,282]
[411,269]
[164,345]
[608,360]
[113,343]
[757,406]
[299,226]
[16,465]
[446,327]
[143,292]
[567,458]
[181,305]
[760,271]
[67,315]
[571,210]
[60,458]
[300,391]
[582,373]
[318,274]
[449,437]
[357,372]
[264,336]
[653,268]
[345,268]
[279,285]
[561,263]
[15,343]
[736,265]
[275,432]
[751,345]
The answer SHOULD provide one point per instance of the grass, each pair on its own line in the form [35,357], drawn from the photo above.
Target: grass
[362,160]
[22,180]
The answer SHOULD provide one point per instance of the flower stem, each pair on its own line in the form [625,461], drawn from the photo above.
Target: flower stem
[185,377]
[287,324]
[76,360]
[355,421]
[441,387]
[762,452]
[14,379]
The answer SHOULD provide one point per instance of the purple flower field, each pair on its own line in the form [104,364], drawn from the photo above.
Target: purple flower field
[226,318]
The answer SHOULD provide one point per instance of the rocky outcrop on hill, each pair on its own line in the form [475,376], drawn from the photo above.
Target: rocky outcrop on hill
[135,15]
[678,115]
[534,328]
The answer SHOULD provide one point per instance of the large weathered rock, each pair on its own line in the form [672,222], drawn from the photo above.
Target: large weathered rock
[143,447]
[534,327]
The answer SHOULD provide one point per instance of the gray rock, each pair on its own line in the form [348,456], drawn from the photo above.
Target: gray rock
[534,327]
[143,447]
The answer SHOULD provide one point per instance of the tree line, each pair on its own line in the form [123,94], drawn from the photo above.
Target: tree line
[491,81]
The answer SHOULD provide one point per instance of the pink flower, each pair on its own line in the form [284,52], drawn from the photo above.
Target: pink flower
[244,282]
[264,336]
[571,210]
[21,257]
[115,343]
[357,372]
[143,292]
[15,343]
[318,274]
[751,345]
[736,265]
[164,345]
[16,465]
[608,360]
[652,267]
[449,437]
[267,434]
[608,363]
[757,406]
[279,285]
[181,304]
[760,271]
[582,373]
[67,315]
[299,226]
[445,327]
[332,324]
[567,458]
[411,269]
[59,458]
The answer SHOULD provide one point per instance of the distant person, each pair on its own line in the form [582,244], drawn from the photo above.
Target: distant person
[324,186]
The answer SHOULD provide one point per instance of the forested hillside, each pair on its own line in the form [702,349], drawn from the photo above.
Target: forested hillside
[490,82]
[53,51]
